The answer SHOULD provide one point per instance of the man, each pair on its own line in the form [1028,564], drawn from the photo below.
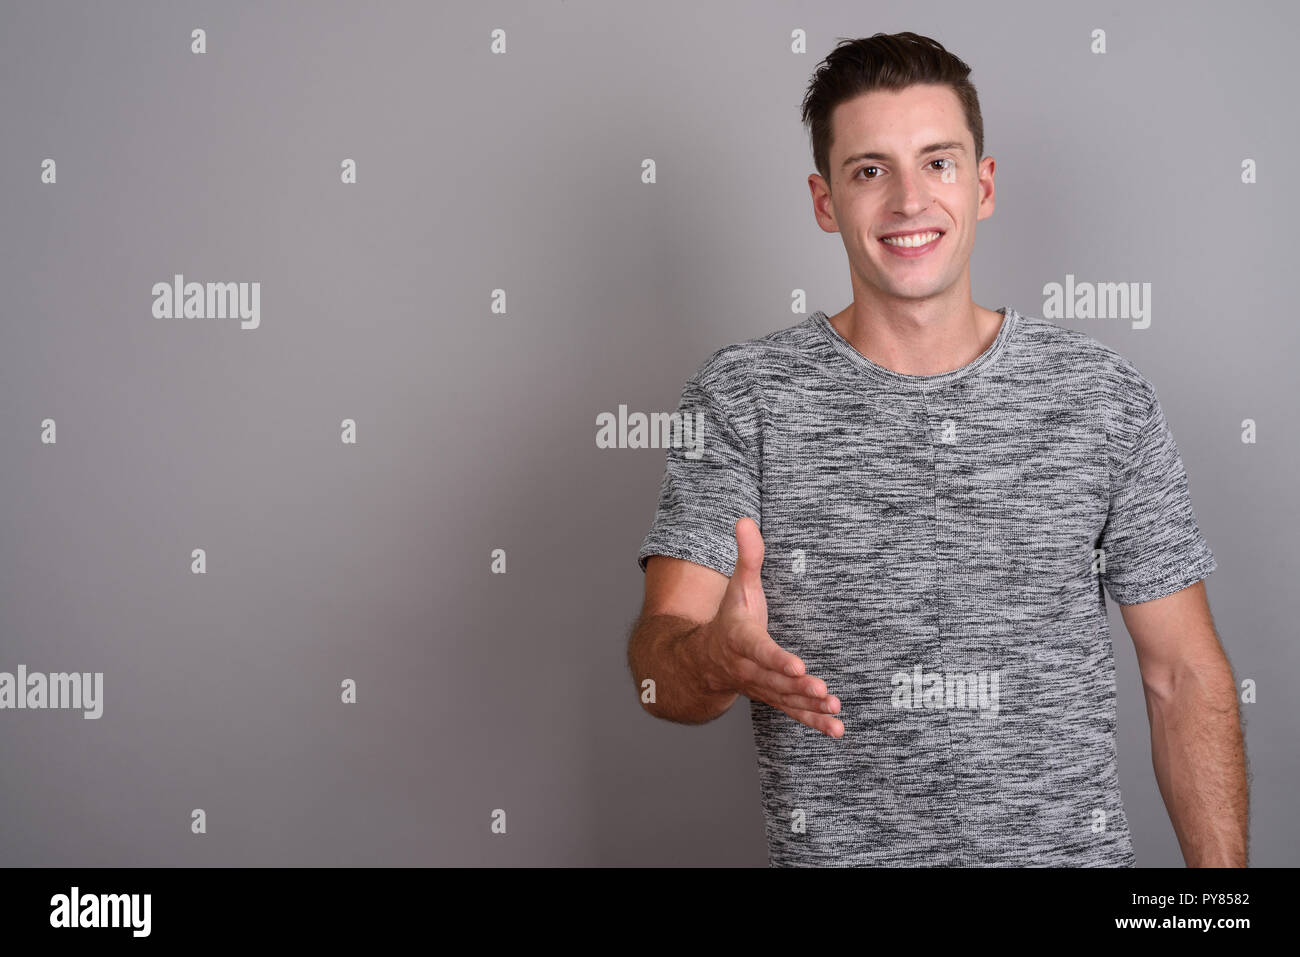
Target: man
[942,490]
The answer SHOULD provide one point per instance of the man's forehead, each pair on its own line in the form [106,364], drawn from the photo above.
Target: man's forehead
[862,145]
[864,125]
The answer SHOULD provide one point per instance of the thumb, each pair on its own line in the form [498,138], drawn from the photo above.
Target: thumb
[749,554]
[744,595]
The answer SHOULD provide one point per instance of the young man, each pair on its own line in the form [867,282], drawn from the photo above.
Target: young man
[942,490]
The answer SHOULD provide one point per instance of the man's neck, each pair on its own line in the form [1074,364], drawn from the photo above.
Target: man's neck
[917,344]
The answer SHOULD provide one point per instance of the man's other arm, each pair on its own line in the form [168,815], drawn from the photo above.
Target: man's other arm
[1196,740]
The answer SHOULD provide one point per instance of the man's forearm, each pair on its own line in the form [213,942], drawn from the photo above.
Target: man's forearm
[1197,751]
[665,650]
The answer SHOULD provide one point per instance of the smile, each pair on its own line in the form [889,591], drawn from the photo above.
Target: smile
[913,244]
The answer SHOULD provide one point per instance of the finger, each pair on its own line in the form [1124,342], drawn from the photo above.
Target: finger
[826,704]
[818,722]
[744,594]
[749,553]
[769,682]
[758,646]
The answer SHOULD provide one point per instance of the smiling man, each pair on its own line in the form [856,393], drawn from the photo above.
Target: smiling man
[899,537]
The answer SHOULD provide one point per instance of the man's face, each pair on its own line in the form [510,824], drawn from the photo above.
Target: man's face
[904,162]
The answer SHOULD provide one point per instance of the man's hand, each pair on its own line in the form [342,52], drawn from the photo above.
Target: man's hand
[737,655]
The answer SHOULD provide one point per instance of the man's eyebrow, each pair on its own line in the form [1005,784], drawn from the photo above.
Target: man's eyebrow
[932,148]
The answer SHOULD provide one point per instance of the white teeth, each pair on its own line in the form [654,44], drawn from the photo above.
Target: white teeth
[915,239]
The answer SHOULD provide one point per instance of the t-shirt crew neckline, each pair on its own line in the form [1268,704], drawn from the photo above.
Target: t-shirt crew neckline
[920,382]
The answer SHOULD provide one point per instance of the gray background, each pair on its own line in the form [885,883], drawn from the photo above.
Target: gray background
[522,171]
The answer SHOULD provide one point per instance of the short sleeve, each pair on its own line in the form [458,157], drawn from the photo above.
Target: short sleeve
[1151,543]
[705,490]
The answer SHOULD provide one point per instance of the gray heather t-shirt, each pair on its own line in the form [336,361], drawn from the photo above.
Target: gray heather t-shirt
[935,550]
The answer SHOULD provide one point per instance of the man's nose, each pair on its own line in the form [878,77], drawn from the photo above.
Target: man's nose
[911,193]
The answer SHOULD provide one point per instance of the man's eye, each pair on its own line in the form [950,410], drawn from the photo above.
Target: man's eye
[863,169]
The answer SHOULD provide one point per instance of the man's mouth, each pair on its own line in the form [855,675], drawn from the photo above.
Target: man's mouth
[912,244]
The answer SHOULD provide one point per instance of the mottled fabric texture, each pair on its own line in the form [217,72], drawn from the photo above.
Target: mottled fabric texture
[929,536]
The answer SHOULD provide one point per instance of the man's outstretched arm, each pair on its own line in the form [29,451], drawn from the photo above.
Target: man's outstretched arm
[1196,740]
[701,641]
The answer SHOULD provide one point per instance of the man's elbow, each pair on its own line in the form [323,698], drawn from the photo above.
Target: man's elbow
[1208,680]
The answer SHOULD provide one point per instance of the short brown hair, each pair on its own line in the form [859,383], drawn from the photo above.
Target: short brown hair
[883,62]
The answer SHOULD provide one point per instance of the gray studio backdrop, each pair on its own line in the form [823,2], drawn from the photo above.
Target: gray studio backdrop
[371,561]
